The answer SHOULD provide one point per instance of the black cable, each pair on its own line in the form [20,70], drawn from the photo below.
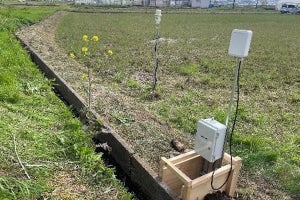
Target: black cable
[232,131]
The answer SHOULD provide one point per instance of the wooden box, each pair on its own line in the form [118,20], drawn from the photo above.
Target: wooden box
[183,175]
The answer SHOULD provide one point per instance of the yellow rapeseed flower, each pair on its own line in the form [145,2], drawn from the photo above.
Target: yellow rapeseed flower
[72,55]
[95,38]
[84,77]
[84,49]
[110,52]
[85,38]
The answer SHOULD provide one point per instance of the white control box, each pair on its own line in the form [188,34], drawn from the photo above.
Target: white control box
[210,138]
[240,43]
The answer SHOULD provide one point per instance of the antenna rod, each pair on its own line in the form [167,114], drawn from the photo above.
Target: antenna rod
[239,60]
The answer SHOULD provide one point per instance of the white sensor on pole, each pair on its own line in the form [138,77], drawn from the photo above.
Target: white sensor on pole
[239,47]
[211,134]
[240,43]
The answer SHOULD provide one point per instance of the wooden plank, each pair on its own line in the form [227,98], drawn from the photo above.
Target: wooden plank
[227,158]
[184,178]
[183,157]
[188,159]
[207,177]
[146,181]
[173,182]
[208,166]
[232,182]
[161,167]
[201,190]
[192,168]
[170,179]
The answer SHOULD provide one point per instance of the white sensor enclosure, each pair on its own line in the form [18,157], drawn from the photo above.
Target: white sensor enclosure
[210,138]
[157,16]
[240,43]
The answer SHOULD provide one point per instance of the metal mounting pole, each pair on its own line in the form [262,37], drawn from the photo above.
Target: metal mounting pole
[233,90]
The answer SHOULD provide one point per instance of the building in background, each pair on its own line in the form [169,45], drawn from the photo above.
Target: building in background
[180,3]
[201,3]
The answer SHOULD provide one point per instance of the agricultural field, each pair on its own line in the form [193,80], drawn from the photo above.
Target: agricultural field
[195,76]
[45,154]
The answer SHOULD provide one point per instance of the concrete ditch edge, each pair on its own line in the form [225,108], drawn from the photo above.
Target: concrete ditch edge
[135,168]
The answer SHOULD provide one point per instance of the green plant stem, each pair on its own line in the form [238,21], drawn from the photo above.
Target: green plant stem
[19,160]
[89,88]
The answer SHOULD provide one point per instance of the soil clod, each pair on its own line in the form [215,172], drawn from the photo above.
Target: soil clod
[178,146]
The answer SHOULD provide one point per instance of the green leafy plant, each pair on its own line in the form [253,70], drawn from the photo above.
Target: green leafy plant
[188,70]
[87,51]
[127,196]
[132,83]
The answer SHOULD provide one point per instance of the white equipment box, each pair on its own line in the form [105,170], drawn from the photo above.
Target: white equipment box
[210,138]
[240,43]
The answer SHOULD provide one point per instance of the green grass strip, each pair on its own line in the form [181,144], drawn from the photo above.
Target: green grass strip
[44,128]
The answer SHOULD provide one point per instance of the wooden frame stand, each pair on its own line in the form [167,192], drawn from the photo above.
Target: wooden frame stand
[183,175]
